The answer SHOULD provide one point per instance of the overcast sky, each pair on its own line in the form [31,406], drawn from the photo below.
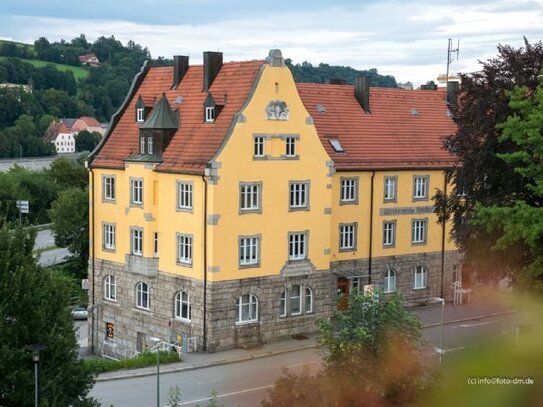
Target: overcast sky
[407,39]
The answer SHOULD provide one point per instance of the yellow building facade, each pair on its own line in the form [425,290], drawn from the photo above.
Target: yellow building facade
[230,207]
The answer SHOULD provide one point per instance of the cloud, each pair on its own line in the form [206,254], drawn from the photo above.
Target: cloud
[404,39]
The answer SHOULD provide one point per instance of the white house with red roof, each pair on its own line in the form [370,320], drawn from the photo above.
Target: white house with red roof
[62,133]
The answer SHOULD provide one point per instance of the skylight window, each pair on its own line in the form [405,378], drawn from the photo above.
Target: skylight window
[178,100]
[321,108]
[414,112]
[336,145]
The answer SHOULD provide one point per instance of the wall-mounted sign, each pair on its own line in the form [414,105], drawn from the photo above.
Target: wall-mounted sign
[409,210]
[110,330]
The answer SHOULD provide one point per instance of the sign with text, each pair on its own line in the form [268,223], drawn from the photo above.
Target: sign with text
[409,210]
[22,206]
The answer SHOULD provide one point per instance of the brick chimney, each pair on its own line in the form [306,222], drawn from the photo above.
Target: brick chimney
[212,66]
[362,92]
[180,68]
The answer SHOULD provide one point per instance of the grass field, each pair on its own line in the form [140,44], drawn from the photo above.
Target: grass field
[79,72]
[19,44]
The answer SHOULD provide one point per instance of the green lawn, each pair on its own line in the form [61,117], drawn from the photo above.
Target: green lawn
[79,72]
[19,44]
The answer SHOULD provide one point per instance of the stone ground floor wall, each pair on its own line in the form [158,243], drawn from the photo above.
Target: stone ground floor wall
[130,327]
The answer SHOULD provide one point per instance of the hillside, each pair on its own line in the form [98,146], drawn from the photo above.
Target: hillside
[79,72]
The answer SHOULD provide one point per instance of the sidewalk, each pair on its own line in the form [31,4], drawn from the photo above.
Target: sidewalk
[429,314]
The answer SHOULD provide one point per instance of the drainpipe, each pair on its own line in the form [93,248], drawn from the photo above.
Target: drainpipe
[91,227]
[443,227]
[204,345]
[371,228]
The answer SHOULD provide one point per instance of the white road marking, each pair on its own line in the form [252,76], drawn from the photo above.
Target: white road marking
[477,324]
[226,395]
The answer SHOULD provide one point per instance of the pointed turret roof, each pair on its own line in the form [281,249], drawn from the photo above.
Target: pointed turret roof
[162,117]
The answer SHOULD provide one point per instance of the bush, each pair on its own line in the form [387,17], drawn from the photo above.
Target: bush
[144,359]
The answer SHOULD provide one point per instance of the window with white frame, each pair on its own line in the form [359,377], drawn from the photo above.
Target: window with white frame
[390,188]
[183,307]
[142,296]
[210,114]
[299,192]
[248,250]
[347,236]
[246,309]
[139,115]
[349,190]
[297,246]
[290,147]
[136,191]
[184,195]
[184,249]
[142,145]
[259,146]
[389,284]
[300,301]
[389,233]
[109,236]
[356,283]
[108,192]
[420,187]
[110,288]
[136,235]
[420,277]
[149,145]
[418,231]
[249,197]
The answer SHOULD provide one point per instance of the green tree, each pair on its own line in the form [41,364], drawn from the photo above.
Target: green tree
[34,309]
[370,358]
[67,172]
[69,214]
[521,222]
[87,141]
[483,178]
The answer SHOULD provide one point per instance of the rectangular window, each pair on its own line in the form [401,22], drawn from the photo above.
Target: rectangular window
[347,236]
[184,195]
[259,146]
[149,145]
[389,233]
[418,234]
[139,113]
[420,187]
[142,145]
[249,197]
[248,250]
[390,189]
[291,146]
[299,192]
[109,236]
[297,246]
[136,191]
[210,114]
[349,190]
[137,241]
[155,244]
[108,192]
[184,249]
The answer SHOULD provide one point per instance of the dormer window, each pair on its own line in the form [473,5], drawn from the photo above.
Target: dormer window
[140,115]
[142,145]
[210,114]
[149,145]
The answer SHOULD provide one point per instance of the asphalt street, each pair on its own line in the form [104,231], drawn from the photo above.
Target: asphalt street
[46,238]
[246,383]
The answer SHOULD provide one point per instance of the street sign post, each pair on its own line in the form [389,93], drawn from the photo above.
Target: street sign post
[23,208]
[85,285]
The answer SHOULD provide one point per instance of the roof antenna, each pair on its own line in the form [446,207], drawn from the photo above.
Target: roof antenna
[452,55]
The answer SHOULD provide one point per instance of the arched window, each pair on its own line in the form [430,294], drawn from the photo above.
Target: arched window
[300,300]
[247,308]
[390,281]
[183,308]
[142,295]
[110,288]
[420,277]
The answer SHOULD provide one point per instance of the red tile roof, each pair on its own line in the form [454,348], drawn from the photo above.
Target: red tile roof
[390,136]
[90,121]
[196,142]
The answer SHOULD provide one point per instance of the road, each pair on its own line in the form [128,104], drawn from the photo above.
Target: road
[239,384]
[45,238]
[246,383]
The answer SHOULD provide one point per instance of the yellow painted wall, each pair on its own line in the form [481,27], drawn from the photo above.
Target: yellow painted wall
[275,221]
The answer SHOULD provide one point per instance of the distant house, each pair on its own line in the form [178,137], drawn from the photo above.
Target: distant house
[26,88]
[62,134]
[89,60]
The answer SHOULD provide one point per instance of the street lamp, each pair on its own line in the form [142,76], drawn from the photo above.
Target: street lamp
[36,358]
[441,350]
[157,341]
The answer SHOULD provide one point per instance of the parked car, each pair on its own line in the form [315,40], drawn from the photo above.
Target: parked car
[80,312]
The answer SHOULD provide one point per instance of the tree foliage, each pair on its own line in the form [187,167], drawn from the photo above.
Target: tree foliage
[34,309]
[86,140]
[370,359]
[483,177]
